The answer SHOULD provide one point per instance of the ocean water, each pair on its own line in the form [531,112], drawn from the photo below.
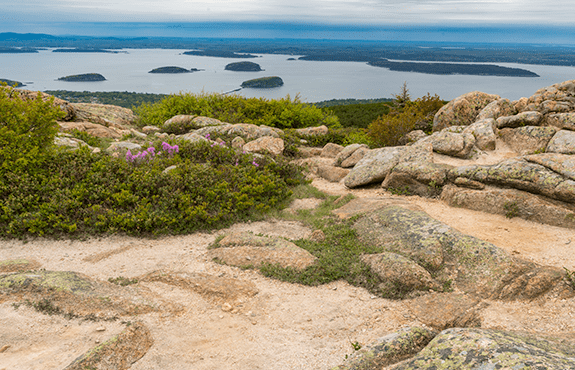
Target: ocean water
[312,81]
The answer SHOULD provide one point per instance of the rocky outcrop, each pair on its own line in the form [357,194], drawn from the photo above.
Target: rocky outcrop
[462,110]
[471,348]
[103,114]
[527,139]
[452,259]
[349,156]
[313,131]
[247,131]
[390,349]
[93,129]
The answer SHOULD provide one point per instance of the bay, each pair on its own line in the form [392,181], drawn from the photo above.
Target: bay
[312,81]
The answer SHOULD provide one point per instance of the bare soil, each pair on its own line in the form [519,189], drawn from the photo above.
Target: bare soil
[283,326]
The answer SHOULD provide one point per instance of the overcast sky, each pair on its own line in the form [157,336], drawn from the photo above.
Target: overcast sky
[323,11]
[39,15]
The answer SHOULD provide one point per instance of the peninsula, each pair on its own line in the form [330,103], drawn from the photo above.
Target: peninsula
[11,83]
[87,77]
[219,54]
[244,67]
[79,50]
[263,83]
[453,68]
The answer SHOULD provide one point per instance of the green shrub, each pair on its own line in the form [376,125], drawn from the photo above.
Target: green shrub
[80,193]
[280,113]
[27,130]
[389,129]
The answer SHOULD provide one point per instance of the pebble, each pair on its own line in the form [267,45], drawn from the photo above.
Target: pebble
[101,328]
[226,307]
[4,348]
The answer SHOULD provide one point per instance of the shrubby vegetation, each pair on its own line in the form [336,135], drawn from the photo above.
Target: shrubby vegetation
[406,116]
[50,191]
[281,113]
[359,115]
[120,98]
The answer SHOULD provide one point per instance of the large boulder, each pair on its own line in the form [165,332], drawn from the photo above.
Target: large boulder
[556,98]
[421,178]
[520,174]
[266,144]
[482,130]
[563,142]
[475,349]
[451,143]
[529,118]
[527,139]
[104,114]
[347,152]
[510,203]
[462,110]
[378,163]
[455,260]
[496,109]
[313,131]
[564,121]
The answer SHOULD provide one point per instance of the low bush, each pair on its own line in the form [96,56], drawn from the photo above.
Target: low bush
[27,130]
[80,193]
[280,113]
[387,130]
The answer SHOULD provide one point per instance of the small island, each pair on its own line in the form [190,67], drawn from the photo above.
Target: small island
[87,77]
[219,54]
[79,50]
[173,69]
[263,83]
[244,67]
[11,83]
[11,50]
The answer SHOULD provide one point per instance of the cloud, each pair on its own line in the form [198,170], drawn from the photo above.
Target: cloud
[371,12]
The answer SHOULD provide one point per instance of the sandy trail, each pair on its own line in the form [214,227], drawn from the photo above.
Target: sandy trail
[285,326]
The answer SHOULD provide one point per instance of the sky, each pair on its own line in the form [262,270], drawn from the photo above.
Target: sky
[364,18]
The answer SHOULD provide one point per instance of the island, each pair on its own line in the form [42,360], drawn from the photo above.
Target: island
[244,67]
[79,50]
[173,69]
[87,77]
[218,54]
[11,50]
[11,83]
[453,69]
[263,83]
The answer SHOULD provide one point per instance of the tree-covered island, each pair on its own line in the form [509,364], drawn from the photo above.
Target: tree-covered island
[173,69]
[243,67]
[453,69]
[263,83]
[11,83]
[87,77]
[11,50]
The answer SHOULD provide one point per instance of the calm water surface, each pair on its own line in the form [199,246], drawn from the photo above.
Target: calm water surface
[313,81]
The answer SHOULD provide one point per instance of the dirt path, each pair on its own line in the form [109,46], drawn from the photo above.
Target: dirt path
[284,326]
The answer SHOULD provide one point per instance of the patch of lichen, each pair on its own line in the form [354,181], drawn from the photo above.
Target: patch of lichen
[57,280]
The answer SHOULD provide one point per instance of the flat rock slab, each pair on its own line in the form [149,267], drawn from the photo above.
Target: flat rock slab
[364,205]
[104,114]
[246,249]
[215,289]
[73,294]
[19,265]
[474,349]
[117,353]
